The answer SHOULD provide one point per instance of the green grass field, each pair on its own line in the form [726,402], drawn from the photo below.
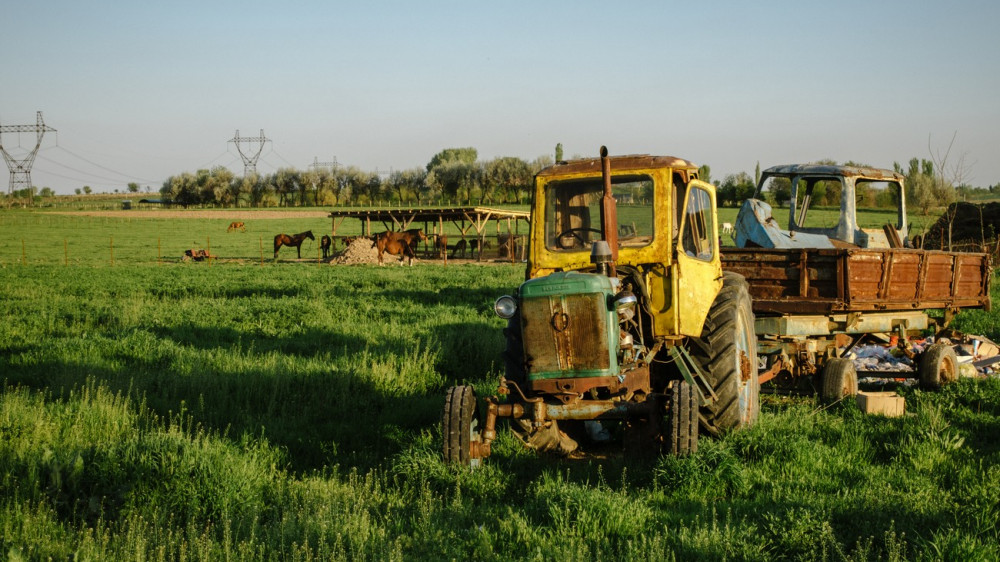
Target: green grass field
[290,412]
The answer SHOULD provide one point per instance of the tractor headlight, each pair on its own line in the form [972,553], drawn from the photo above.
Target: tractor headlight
[505,307]
[625,300]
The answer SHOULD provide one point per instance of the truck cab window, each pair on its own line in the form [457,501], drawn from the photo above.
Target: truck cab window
[573,214]
[696,235]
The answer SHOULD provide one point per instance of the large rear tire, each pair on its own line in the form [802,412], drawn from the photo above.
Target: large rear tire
[840,380]
[680,424]
[727,355]
[938,366]
[460,427]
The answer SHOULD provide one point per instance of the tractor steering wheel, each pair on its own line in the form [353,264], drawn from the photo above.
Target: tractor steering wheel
[575,233]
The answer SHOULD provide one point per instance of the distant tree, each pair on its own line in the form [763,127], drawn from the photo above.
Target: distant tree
[133,187]
[735,188]
[182,189]
[705,173]
[46,192]
[756,174]
[256,186]
[540,163]
[508,176]
[222,183]
[450,155]
[407,184]
[86,189]
[457,179]
[559,152]
[949,175]
[779,191]
[78,191]
[286,181]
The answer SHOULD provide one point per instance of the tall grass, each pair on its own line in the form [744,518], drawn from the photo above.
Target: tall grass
[290,412]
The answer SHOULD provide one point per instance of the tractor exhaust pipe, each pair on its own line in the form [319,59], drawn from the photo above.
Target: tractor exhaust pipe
[609,212]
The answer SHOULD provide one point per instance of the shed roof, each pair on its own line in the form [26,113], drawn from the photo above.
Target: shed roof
[403,217]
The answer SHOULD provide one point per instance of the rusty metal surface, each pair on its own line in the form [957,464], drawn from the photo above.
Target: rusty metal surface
[824,281]
[622,163]
[862,172]
[567,333]
[570,389]
[842,323]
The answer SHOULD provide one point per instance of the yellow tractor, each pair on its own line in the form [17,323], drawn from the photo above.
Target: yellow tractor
[626,330]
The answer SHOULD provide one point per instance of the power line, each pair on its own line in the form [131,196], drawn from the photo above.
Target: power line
[105,168]
[105,178]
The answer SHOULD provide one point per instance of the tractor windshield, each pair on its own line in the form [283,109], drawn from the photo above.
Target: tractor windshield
[573,212]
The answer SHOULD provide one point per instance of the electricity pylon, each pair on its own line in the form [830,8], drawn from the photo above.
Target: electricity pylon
[20,170]
[249,157]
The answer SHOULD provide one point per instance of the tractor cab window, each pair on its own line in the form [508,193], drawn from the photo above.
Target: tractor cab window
[573,212]
[696,235]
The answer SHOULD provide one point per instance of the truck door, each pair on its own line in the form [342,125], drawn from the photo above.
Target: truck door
[698,270]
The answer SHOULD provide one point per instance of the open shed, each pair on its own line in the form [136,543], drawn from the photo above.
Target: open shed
[472,223]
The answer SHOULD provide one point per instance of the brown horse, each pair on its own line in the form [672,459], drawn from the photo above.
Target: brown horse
[295,240]
[325,243]
[401,244]
[236,225]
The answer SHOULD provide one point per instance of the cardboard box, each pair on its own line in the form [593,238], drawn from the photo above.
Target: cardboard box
[887,404]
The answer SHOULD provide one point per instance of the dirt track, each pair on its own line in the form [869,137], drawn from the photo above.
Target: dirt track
[229,214]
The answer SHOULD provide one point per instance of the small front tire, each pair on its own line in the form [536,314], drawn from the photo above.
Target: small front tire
[680,431]
[461,431]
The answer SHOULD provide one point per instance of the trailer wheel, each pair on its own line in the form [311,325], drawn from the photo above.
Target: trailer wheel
[460,427]
[840,379]
[681,420]
[727,355]
[938,366]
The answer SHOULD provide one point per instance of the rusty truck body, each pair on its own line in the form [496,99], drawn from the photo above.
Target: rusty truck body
[820,291]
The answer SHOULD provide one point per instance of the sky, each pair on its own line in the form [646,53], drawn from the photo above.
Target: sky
[141,91]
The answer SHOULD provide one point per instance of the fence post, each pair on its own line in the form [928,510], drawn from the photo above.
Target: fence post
[261,240]
[112,251]
[208,249]
[65,252]
[24,254]
[159,252]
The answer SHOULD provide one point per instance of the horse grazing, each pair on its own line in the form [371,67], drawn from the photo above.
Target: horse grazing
[460,246]
[401,244]
[295,240]
[479,246]
[236,225]
[325,243]
[441,245]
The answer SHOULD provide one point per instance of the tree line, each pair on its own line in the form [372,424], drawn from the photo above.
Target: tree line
[454,175]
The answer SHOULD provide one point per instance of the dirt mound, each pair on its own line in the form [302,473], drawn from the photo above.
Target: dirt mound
[361,251]
[974,224]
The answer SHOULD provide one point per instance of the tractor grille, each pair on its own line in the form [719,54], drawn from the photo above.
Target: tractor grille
[565,333]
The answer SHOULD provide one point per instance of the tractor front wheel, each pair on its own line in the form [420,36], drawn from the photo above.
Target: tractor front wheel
[461,430]
[681,420]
